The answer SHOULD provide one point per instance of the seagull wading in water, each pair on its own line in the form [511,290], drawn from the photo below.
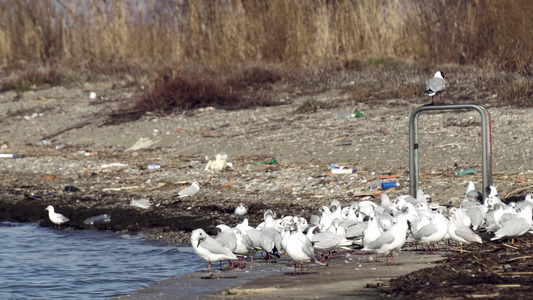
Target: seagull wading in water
[435,85]
[208,248]
[56,218]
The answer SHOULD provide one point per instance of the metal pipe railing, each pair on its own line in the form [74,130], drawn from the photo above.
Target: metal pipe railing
[486,142]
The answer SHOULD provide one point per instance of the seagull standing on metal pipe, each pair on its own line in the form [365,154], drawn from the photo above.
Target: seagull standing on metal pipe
[435,85]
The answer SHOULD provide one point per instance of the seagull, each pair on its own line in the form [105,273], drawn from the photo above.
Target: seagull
[527,201]
[337,228]
[336,209]
[326,241]
[372,231]
[435,85]
[433,232]
[241,210]
[208,248]
[226,237]
[56,218]
[477,216]
[493,196]
[270,240]
[516,226]
[189,191]
[244,246]
[459,232]
[391,240]
[252,233]
[300,249]
[472,197]
[493,218]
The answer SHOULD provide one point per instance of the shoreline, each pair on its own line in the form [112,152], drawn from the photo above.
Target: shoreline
[347,277]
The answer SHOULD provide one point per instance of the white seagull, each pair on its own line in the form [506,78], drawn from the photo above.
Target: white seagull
[226,237]
[435,85]
[459,232]
[372,230]
[390,241]
[244,246]
[300,249]
[191,190]
[241,210]
[56,218]
[493,196]
[270,240]
[516,226]
[433,232]
[208,248]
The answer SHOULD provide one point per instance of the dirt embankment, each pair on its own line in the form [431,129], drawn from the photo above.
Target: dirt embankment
[81,162]
[79,150]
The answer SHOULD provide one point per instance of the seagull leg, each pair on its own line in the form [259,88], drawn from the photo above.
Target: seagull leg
[391,255]
[209,267]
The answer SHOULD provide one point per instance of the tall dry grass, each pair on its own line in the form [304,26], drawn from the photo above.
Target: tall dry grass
[493,32]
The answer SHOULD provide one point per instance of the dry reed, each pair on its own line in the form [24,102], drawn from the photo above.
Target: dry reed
[491,32]
[235,52]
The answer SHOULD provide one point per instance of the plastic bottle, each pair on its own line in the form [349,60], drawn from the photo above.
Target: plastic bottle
[388,185]
[11,155]
[467,171]
[343,115]
[347,115]
[334,166]
[153,167]
[343,171]
[105,218]
[271,162]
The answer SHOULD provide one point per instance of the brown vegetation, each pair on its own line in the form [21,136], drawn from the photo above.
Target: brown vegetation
[298,32]
[234,54]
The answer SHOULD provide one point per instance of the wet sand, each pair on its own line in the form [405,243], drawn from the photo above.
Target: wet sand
[350,276]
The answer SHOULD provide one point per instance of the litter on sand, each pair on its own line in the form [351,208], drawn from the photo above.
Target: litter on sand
[219,164]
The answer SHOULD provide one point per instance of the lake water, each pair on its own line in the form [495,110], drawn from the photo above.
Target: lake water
[45,263]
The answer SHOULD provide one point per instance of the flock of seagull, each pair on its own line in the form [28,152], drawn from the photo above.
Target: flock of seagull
[376,228]
[366,225]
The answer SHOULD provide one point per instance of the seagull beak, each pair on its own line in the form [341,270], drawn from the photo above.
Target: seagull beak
[199,241]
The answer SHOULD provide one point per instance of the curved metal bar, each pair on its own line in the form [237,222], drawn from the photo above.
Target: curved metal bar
[486,141]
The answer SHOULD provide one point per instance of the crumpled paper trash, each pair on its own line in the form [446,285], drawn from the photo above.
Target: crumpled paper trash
[219,164]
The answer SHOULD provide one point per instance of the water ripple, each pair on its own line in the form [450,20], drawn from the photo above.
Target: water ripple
[44,263]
